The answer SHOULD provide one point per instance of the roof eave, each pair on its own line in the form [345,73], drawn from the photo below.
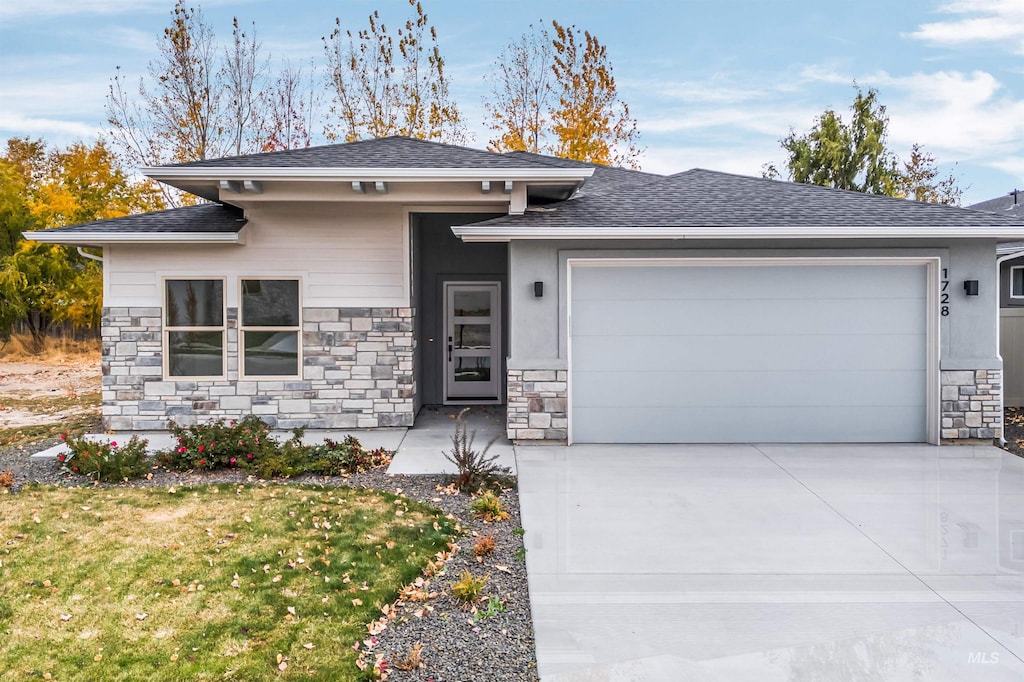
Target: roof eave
[504,233]
[83,238]
[213,173]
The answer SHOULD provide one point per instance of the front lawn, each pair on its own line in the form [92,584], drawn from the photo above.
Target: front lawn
[245,582]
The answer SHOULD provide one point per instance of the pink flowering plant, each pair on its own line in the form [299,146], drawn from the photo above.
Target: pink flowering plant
[220,444]
[106,462]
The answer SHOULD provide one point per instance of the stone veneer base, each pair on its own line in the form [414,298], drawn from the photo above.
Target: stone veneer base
[538,405]
[357,373]
[971,405]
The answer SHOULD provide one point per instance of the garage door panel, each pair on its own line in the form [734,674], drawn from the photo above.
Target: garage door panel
[737,353]
[819,424]
[776,282]
[747,316]
[747,389]
[728,353]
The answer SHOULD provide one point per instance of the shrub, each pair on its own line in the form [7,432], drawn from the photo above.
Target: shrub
[474,468]
[485,546]
[283,460]
[105,461]
[488,507]
[467,589]
[219,445]
[6,479]
[332,458]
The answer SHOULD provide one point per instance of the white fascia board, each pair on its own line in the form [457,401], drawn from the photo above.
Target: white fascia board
[502,233]
[135,237]
[369,174]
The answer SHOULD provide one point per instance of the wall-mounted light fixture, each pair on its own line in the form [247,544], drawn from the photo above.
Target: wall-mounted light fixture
[538,289]
[971,287]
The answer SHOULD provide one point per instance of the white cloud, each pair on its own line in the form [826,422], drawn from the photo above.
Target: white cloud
[977,21]
[740,158]
[51,129]
[132,38]
[54,8]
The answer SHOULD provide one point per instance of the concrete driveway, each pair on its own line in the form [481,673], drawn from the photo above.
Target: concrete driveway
[762,563]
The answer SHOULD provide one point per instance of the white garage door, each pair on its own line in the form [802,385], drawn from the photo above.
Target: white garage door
[748,353]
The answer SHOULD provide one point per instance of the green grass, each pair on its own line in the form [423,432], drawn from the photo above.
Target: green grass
[205,583]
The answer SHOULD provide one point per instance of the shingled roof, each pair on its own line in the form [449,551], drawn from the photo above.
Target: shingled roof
[385,152]
[700,198]
[605,178]
[199,219]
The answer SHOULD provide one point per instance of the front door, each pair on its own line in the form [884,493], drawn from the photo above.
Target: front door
[472,345]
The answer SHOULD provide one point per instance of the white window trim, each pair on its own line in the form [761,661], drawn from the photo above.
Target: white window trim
[1019,296]
[168,330]
[242,328]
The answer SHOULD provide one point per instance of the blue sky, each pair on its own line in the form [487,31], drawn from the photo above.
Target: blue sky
[713,83]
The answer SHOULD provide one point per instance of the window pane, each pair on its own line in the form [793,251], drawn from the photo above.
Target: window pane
[472,369]
[195,303]
[1017,275]
[195,354]
[472,303]
[271,353]
[270,303]
[472,336]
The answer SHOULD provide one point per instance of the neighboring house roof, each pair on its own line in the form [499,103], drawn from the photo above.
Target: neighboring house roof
[385,152]
[202,222]
[1010,204]
[1005,205]
[703,203]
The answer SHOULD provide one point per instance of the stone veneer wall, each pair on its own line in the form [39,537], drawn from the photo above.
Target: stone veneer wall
[357,373]
[970,404]
[537,404]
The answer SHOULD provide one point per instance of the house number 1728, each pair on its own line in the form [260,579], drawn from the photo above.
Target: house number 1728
[944,293]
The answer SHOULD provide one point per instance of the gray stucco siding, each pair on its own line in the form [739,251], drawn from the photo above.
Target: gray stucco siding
[966,333]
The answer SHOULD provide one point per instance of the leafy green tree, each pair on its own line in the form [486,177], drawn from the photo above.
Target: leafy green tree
[15,214]
[47,284]
[41,284]
[843,155]
[855,156]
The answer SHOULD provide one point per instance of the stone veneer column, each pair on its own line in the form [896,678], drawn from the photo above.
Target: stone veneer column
[970,404]
[357,373]
[537,404]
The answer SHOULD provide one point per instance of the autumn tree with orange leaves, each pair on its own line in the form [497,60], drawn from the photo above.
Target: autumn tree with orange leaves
[555,93]
[390,84]
[42,285]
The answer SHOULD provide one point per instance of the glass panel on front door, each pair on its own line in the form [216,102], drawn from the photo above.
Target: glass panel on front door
[472,335]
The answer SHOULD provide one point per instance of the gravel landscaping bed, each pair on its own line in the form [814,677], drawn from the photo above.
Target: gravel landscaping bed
[454,644]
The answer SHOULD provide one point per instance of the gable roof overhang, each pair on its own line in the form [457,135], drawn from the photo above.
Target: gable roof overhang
[506,233]
[198,224]
[208,181]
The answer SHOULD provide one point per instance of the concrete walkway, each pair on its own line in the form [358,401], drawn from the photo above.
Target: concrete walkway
[418,450]
[422,449]
[775,563]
